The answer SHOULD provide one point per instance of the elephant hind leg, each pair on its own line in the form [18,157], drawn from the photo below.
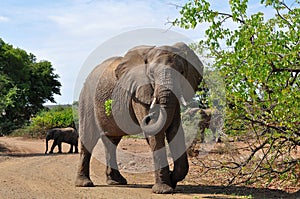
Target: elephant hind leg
[113,176]
[76,148]
[71,148]
[59,147]
[83,174]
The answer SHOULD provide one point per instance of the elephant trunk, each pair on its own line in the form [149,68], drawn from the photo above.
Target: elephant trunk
[170,90]
[154,122]
[162,106]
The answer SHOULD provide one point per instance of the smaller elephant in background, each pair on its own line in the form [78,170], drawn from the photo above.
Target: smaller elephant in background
[68,135]
[208,119]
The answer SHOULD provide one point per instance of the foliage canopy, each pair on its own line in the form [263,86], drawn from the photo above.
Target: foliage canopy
[258,55]
[25,85]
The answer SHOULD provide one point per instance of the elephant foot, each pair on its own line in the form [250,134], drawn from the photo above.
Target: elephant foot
[174,184]
[116,180]
[218,140]
[83,181]
[162,189]
[114,177]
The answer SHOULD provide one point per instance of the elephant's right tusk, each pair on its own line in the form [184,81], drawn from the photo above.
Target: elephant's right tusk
[152,103]
[184,103]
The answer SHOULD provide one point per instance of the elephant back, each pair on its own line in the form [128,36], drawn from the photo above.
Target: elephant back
[70,135]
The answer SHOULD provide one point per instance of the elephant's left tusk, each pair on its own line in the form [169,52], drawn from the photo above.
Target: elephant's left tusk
[152,103]
[183,100]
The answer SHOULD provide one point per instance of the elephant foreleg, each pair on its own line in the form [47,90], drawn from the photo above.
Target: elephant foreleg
[59,146]
[176,140]
[202,133]
[157,144]
[83,174]
[162,172]
[113,176]
[53,145]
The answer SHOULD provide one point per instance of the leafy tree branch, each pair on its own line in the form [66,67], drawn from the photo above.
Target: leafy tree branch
[258,57]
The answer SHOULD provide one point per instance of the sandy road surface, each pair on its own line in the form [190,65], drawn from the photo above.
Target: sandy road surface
[25,172]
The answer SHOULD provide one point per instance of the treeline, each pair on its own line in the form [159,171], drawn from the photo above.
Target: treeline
[25,85]
[59,116]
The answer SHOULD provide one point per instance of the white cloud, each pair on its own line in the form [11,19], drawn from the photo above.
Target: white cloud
[4,19]
[104,16]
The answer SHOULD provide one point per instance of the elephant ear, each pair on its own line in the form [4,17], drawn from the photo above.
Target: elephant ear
[133,70]
[135,57]
[194,70]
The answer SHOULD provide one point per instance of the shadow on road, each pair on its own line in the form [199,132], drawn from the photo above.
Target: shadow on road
[30,154]
[237,191]
[230,191]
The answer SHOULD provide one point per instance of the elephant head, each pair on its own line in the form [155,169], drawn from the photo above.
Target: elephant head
[159,77]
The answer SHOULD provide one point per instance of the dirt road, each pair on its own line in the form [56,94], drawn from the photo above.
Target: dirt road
[26,172]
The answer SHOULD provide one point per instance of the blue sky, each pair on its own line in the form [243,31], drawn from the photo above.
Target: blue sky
[65,32]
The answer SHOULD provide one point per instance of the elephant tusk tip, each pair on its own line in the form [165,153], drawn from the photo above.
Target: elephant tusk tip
[184,103]
[152,103]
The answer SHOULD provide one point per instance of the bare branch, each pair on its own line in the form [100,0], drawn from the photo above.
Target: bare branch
[284,4]
[285,70]
[230,16]
[284,19]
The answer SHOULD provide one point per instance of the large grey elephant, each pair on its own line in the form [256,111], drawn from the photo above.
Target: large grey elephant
[145,88]
[58,135]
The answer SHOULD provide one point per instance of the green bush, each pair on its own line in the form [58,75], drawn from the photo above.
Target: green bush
[45,120]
